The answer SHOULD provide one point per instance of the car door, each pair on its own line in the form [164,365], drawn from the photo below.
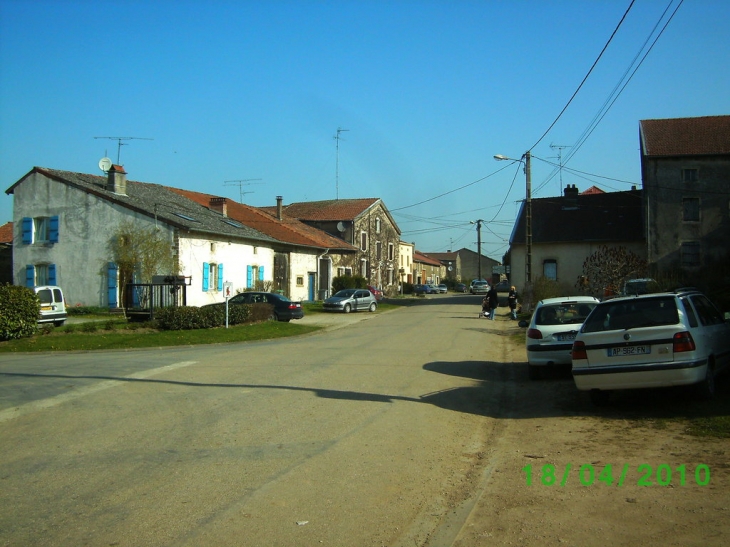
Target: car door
[714,331]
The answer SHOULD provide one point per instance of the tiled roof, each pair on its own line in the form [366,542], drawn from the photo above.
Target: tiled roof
[328,210]
[708,135]
[156,201]
[6,233]
[592,190]
[612,216]
[443,256]
[424,259]
[287,230]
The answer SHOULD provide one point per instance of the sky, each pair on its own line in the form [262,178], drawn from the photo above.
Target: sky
[244,99]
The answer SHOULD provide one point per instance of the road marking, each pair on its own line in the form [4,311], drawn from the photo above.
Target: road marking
[42,404]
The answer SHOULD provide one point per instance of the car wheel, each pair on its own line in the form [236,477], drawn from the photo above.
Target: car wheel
[372,307]
[273,317]
[600,397]
[706,388]
[534,372]
[347,308]
[58,323]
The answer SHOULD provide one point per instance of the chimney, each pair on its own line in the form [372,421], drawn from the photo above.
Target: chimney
[279,199]
[219,205]
[117,180]
[571,197]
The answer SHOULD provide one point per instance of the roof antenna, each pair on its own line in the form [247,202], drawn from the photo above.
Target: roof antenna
[337,165]
[119,143]
[241,183]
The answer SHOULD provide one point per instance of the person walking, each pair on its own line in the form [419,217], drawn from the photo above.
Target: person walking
[493,301]
[512,302]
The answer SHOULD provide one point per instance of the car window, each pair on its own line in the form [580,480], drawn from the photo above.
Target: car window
[45,296]
[345,293]
[361,294]
[631,314]
[709,315]
[691,317]
[564,313]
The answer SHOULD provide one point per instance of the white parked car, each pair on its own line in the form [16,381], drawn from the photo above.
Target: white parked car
[53,305]
[552,329]
[651,340]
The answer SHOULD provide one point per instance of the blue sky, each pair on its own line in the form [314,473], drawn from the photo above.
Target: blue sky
[429,92]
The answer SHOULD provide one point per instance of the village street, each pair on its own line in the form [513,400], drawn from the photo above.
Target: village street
[407,428]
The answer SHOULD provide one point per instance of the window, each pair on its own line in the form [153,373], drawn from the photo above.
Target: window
[40,230]
[212,277]
[550,269]
[254,277]
[691,209]
[377,225]
[363,241]
[391,251]
[690,254]
[40,274]
[364,268]
[690,175]
[344,271]
[378,250]
[300,281]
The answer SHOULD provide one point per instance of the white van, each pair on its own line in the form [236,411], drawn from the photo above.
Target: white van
[53,307]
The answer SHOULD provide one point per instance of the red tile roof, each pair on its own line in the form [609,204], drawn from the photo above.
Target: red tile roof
[6,233]
[425,259]
[288,230]
[708,135]
[592,190]
[328,210]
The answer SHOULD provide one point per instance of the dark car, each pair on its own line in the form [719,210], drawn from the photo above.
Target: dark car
[461,287]
[377,293]
[284,309]
[422,289]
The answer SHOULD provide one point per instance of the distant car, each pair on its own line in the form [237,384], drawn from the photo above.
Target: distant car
[284,309]
[348,300]
[377,293]
[553,327]
[443,288]
[423,289]
[651,340]
[53,305]
[635,287]
[461,287]
[479,287]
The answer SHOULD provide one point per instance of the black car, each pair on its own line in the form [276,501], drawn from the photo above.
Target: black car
[284,309]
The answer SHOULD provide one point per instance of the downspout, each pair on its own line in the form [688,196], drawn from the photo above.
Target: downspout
[320,257]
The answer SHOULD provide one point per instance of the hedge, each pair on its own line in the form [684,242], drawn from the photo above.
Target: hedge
[19,312]
[192,317]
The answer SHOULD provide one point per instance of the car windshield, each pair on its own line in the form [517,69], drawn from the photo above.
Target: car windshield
[633,313]
[45,296]
[564,313]
[345,293]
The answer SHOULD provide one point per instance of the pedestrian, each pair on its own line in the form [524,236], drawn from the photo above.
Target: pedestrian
[512,302]
[493,301]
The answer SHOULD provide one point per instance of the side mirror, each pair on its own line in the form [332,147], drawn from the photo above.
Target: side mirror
[524,324]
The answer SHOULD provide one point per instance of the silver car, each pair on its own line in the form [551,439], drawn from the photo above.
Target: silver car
[348,300]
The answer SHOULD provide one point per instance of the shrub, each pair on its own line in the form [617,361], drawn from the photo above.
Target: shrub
[69,329]
[348,282]
[91,326]
[86,310]
[19,312]
[110,325]
[47,328]
[261,312]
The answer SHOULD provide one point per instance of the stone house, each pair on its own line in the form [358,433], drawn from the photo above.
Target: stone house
[364,223]
[685,171]
[452,264]
[427,270]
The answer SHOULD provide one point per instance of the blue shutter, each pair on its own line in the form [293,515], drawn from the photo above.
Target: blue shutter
[52,274]
[27,230]
[112,280]
[220,277]
[206,273]
[30,276]
[249,277]
[261,273]
[53,230]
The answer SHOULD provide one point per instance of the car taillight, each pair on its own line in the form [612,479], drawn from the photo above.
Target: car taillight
[534,333]
[683,341]
[293,306]
[579,350]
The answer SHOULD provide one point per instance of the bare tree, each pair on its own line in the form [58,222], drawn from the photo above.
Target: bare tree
[605,271]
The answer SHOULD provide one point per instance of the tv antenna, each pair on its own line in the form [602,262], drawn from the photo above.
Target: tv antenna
[120,144]
[560,148]
[337,162]
[241,183]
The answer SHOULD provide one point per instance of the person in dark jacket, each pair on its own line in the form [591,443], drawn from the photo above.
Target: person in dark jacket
[493,301]
[512,302]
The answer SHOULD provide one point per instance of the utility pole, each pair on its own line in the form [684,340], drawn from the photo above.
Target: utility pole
[479,247]
[119,143]
[528,220]
[337,162]
[241,183]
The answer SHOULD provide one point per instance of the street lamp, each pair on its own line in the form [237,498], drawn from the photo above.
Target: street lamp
[479,245]
[528,213]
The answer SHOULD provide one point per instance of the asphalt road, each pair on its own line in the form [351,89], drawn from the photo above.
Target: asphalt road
[369,434]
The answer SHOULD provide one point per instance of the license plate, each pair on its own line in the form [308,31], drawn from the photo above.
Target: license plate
[565,337]
[46,308]
[629,350]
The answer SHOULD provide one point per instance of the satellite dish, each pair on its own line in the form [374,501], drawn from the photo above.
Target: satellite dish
[105,164]
[340,226]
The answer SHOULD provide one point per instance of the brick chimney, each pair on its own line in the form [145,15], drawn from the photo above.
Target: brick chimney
[117,180]
[219,205]
[571,197]
[279,207]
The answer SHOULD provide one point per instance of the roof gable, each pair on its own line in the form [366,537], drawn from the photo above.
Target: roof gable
[6,233]
[703,136]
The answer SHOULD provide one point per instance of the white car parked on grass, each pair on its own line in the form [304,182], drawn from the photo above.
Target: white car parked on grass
[651,340]
[552,329]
